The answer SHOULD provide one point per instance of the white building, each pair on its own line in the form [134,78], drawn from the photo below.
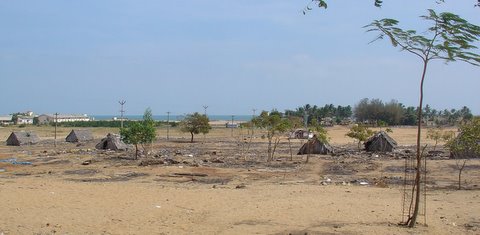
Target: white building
[47,118]
[24,120]
[6,120]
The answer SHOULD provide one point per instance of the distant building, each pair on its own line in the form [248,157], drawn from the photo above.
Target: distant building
[24,120]
[6,120]
[48,118]
[231,125]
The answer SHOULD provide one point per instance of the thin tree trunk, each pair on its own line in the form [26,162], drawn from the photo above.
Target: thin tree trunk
[248,146]
[290,145]
[275,144]
[269,150]
[460,170]
[136,151]
[460,179]
[413,219]
[309,150]
[191,140]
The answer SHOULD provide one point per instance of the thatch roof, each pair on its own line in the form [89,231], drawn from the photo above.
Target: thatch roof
[112,142]
[315,146]
[79,136]
[18,138]
[380,142]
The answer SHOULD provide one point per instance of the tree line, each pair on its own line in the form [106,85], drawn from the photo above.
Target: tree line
[336,113]
[377,112]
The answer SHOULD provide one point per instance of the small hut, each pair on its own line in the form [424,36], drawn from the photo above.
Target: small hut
[315,146]
[79,136]
[112,142]
[18,138]
[380,142]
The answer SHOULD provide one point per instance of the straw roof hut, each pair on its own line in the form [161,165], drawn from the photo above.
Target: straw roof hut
[112,142]
[315,146]
[18,138]
[79,136]
[380,142]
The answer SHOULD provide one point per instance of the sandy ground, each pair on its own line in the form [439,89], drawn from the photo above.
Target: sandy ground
[216,186]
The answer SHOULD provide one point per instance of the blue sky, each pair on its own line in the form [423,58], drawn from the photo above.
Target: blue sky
[83,56]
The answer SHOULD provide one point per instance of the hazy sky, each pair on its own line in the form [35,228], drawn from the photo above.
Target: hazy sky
[83,56]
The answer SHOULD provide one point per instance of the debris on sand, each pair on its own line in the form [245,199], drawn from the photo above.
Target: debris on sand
[191,174]
[151,162]
[15,162]
[240,186]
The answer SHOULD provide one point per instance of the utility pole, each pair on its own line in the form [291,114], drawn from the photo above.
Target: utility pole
[121,102]
[205,107]
[231,126]
[253,124]
[305,119]
[168,124]
[55,138]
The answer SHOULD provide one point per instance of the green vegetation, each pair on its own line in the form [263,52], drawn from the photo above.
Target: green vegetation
[468,141]
[195,124]
[275,124]
[140,132]
[360,133]
[465,146]
[439,135]
[449,38]
[375,112]
[376,3]
[314,112]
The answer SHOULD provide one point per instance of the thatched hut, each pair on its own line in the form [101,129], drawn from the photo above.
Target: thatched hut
[380,142]
[79,136]
[112,142]
[18,138]
[315,146]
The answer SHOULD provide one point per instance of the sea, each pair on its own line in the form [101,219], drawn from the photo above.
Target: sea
[245,118]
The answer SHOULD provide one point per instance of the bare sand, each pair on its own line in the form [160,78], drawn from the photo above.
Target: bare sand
[215,189]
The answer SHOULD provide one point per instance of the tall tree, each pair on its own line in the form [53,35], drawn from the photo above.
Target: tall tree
[195,124]
[450,38]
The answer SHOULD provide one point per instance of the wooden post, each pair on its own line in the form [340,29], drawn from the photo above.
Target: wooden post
[122,102]
[168,124]
[55,137]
